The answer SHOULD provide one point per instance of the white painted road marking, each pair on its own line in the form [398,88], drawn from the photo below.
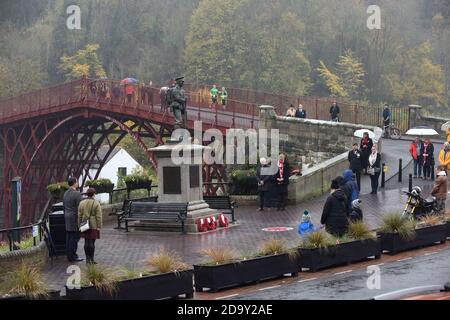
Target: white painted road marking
[306,280]
[343,272]
[430,253]
[262,289]
[226,297]
[406,259]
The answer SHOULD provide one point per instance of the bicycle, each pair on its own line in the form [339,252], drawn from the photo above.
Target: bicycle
[391,132]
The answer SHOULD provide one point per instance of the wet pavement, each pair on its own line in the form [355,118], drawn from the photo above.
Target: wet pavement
[119,249]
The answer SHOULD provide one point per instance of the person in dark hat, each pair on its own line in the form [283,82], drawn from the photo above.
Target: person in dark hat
[177,100]
[334,215]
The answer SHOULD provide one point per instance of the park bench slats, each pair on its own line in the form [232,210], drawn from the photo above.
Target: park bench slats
[222,203]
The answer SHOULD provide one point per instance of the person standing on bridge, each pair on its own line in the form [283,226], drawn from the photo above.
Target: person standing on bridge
[335,111]
[71,201]
[129,91]
[177,102]
[224,97]
[386,120]
[300,113]
[214,93]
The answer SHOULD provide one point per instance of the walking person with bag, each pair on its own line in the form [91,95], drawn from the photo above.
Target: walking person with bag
[374,169]
[90,221]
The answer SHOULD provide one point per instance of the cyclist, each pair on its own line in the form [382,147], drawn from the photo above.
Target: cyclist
[386,120]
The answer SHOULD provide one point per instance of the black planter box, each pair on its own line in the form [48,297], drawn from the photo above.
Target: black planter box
[167,285]
[246,271]
[53,295]
[345,253]
[104,189]
[392,242]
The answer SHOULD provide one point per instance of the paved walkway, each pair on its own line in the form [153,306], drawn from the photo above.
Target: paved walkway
[117,248]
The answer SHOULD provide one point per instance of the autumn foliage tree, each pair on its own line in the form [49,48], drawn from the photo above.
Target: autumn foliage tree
[84,62]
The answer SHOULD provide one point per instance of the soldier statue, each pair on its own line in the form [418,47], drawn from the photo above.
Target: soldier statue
[177,102]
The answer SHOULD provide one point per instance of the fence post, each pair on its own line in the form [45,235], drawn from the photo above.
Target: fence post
[317,109]
[383,175]
[400,170]
[410,182]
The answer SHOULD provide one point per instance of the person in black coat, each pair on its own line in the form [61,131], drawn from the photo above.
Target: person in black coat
[355,160]
[300,113]
[374,169]
[281,181]
[366,150]
[263,182]
[427,152]
[334,215]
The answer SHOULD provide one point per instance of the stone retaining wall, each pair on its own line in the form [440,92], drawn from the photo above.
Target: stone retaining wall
[36,256]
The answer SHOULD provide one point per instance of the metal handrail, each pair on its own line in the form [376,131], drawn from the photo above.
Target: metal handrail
[42,221]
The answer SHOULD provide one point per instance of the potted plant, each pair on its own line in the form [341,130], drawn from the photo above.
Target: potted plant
[26,283]
[57,190]
[225,269]
[320,250]
[168,278]
[137,181]
[101,185]
[399,234]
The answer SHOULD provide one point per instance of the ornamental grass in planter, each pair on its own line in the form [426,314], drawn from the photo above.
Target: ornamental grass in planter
[398,233]
[101,185]
[25,283]
[224,268]
[320,250]
[165,276]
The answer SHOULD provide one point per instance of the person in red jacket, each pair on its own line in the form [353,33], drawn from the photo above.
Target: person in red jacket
[414,151]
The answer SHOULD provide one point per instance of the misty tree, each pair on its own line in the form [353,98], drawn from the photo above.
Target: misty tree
[85,62]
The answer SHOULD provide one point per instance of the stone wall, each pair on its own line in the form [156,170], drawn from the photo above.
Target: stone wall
[317,139]
[36,256]
[316,181]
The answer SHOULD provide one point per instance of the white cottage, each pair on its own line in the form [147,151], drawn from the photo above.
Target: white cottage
[118,161]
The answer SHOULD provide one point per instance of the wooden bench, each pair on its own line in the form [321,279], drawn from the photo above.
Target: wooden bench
[221,203]
[121,213]
[155,211]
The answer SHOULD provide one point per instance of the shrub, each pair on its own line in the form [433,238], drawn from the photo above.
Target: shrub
[360,231]
[243,182]
[165,261]
[138,181]
[101,185]
[57,189]
[26,280]
[395,223]
[219,256]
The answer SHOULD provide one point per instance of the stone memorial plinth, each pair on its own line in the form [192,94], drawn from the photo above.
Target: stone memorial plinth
[180,179]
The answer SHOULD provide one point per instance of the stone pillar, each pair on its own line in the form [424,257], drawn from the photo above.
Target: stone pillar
[267,115]
[182,182]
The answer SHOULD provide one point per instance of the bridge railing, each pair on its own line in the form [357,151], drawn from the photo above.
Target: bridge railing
[316,107]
